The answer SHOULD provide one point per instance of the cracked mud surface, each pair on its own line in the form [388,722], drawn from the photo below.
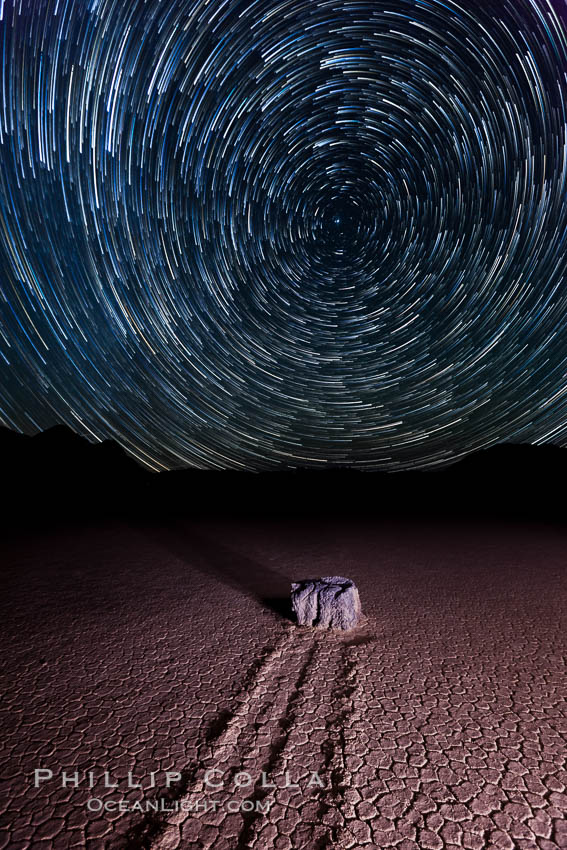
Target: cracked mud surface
[441,721]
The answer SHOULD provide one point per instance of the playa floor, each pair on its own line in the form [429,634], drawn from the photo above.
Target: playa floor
[166,657]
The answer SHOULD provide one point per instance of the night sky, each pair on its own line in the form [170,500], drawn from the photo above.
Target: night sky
[300,233]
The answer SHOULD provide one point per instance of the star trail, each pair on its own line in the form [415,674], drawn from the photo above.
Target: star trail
[298,233]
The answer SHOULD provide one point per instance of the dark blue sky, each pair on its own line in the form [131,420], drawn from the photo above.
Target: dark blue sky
[262,234]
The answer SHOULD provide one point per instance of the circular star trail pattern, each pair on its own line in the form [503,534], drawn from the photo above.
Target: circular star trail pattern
[263,234]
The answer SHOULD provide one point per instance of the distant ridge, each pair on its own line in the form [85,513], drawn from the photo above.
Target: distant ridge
[61,448]
[59,474]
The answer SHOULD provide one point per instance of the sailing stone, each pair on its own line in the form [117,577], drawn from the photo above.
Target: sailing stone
[331,602]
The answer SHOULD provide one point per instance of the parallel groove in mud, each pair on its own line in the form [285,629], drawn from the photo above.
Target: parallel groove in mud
[309,673]
[259,699]
[219,736]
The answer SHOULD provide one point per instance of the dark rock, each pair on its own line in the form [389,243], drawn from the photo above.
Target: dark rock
[331,602]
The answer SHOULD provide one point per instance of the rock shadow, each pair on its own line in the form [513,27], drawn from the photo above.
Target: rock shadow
[280,605]
[212,558]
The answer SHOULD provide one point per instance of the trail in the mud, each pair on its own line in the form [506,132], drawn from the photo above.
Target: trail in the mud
[282,749]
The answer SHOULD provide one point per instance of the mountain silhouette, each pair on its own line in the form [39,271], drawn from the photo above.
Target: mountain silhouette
[58,474]
[63,452]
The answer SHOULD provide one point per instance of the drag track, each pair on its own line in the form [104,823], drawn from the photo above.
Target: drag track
[292,713]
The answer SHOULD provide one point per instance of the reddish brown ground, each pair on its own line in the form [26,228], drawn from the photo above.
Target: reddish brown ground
[440,722]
